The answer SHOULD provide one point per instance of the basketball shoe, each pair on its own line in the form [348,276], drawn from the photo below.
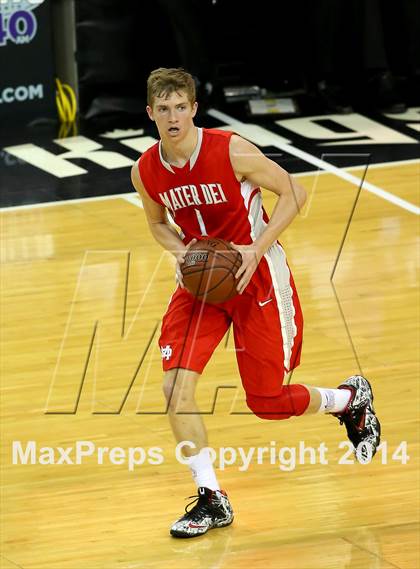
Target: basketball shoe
[359,418]
[212,510]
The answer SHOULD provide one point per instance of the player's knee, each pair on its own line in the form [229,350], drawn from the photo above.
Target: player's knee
[269,408]
[167,388]
[292,401]
[180,403]
[178,393]
[173,396]
[171,382]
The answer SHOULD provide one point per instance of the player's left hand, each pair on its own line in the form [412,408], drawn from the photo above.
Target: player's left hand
[251,256]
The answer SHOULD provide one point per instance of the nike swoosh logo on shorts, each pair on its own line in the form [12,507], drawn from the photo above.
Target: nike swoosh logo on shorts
[264,302]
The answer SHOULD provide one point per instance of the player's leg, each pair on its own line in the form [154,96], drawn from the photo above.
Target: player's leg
[187,424]
[324,400]
[179,387]
[191,330]
[268,331]
[268,336]
[213,508]
[352,404]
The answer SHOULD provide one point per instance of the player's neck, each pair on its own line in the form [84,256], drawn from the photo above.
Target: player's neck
[178,153]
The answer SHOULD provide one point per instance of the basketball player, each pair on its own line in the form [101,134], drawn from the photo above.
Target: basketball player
[209,181]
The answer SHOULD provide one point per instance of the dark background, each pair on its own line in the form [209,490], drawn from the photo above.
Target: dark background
[30,64]
[332,56]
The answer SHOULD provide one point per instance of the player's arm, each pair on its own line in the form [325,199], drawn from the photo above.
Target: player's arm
[157,219]
[249,163]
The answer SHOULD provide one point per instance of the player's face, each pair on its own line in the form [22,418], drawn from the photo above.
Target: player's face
[173,115]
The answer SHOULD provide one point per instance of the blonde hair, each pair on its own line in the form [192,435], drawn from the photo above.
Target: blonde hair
[164,81]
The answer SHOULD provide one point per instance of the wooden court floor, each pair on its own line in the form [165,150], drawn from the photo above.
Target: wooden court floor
[83,287]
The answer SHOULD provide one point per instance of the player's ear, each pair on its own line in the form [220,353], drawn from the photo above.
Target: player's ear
[150,112]
[194,109]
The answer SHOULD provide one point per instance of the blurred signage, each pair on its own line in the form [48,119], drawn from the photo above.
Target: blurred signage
[26,60]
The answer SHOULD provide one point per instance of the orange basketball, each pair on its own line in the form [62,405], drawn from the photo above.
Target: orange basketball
[209,270]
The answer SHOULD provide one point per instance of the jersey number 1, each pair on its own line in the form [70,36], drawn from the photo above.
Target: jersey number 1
[201,223]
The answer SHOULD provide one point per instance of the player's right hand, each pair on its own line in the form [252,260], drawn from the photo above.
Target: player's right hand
[180,258]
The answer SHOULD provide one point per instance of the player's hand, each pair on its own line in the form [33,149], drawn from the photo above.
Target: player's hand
[180,258]
[251,256]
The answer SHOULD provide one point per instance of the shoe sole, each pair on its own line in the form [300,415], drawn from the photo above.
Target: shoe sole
[182,535]
[373,411]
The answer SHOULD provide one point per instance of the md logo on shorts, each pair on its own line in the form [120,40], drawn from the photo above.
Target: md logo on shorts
[166,352]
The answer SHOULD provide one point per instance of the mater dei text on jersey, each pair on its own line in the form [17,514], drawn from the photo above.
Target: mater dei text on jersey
[190,195]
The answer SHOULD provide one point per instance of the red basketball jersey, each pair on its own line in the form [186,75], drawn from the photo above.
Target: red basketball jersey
[204,197]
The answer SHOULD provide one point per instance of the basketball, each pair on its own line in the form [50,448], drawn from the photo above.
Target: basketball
[209,270]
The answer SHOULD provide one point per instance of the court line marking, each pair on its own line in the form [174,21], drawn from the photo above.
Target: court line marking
[323,165]
[66,202]
[133,198]
[376,165]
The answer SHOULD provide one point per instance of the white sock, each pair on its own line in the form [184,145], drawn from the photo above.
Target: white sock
[202,470]
[333,400]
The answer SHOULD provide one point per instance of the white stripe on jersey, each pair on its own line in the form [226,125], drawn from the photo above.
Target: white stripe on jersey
[279,271]
[246,191]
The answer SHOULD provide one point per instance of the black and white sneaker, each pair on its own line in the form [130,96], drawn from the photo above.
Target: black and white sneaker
[363,427]
[212,510]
